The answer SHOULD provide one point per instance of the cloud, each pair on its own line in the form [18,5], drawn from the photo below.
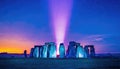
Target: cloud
[96,38]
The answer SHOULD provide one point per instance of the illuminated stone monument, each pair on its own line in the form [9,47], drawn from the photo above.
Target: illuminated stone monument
[45,50]
[80,52]
[41,51]
[75,50]
[61,51]
[90,50]
[71,50]
[36,51]
[52,50]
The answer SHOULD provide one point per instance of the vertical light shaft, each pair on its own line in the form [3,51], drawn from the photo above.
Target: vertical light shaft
[60,11]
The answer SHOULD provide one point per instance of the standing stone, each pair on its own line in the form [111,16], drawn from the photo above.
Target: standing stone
[80,52]
[48,50]
[41,51]
[92,51]
[31,52]
[86,50]
[44,52]
[61,51]
[36,52]
[71,50]
[52,50]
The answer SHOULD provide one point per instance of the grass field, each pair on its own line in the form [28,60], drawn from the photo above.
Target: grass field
[34,63]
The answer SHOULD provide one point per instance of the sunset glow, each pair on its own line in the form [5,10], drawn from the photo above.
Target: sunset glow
[15,45]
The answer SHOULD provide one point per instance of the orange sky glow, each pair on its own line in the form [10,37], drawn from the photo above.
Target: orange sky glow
[15,45]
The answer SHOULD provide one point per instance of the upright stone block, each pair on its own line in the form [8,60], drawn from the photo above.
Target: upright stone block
[61,51]
[31,52]
[71,50]
[36,52]
[86,50]
[41,51]
[52,50]
[92,51]
[80,52]
[44,52]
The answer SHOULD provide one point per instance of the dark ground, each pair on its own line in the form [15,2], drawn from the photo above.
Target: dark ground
[32,63]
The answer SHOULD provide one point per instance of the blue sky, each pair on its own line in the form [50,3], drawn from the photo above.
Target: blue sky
[92,22]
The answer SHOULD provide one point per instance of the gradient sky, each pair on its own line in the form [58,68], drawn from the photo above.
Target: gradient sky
[25,23]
